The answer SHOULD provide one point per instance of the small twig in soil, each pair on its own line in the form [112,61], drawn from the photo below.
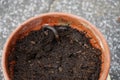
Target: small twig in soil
[74,54]
[47,26]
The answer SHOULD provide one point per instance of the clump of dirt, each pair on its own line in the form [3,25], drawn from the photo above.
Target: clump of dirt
[40,56]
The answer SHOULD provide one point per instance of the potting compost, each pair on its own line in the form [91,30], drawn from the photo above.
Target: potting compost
[55,53]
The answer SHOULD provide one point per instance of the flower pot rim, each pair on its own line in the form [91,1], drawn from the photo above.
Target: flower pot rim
[104,43]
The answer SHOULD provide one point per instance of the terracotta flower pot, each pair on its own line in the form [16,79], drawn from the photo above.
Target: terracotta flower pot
[35,23]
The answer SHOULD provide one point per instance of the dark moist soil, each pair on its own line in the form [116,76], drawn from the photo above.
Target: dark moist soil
[39,56]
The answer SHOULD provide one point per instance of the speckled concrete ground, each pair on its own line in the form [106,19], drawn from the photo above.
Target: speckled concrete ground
[102,13]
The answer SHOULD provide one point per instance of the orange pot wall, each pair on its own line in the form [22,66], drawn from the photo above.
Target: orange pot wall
[58,19]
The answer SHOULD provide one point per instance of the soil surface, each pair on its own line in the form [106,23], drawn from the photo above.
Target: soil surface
[40,56]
